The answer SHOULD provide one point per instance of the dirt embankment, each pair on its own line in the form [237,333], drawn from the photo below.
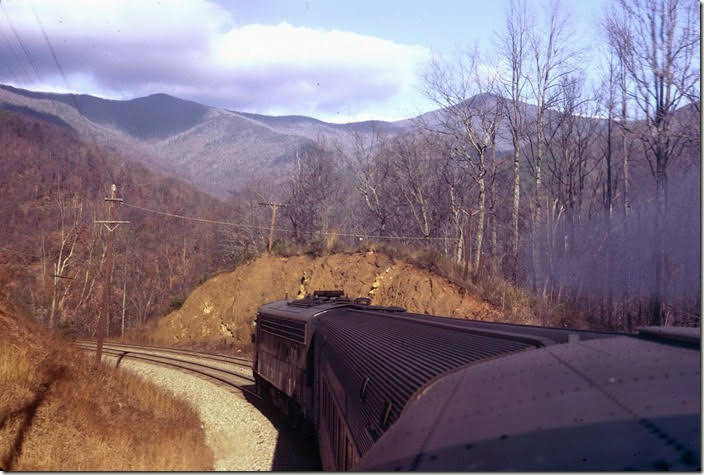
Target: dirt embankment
[59,412]
[223,308]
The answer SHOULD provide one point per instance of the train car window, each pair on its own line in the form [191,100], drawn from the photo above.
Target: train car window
[350,455]
[335,438]
[341,451]
[330,409]
[340,446]
[343,454]
[326,404]
[310,363]
[323,407]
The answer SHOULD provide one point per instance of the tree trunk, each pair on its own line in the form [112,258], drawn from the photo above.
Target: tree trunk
[493,235]
[460,245]
[609,213]
[516,203]
[658,292]
[538,211]
[480,224]
[124,298]
[494,241]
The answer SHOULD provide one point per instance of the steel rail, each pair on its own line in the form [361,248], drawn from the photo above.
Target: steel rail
[205,370]
[154,355]
[214,356]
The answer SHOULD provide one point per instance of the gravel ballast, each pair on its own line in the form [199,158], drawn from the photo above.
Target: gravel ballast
[240,436]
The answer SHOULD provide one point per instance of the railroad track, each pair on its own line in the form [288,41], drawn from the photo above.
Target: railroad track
[221,368]
[212,356]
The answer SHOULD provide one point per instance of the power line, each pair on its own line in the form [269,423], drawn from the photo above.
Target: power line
[265,228]
[73,96]
[17,58]
[8,68]
[21,43]
[25,50]
[192,218]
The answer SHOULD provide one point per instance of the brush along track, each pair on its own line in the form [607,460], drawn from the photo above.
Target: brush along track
[232,376]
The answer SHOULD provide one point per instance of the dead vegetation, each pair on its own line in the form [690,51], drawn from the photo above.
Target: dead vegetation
[58,412]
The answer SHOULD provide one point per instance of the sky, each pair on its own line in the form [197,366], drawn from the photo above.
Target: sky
[335,60]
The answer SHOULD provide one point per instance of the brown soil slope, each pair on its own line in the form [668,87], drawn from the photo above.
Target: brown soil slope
[223,308]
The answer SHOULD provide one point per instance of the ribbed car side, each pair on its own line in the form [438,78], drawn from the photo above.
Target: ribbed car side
[373,382]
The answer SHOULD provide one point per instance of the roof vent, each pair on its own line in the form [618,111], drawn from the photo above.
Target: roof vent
[328,293]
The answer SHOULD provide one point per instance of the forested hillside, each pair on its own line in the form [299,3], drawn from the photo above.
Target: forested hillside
[595,205]
[52,255]
[593,252]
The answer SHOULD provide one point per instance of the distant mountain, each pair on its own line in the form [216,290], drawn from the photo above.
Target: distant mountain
[311,128]
[218,150]
[34,113]
[155,116]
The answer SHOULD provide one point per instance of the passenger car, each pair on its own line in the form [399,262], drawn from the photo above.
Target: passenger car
[390,390]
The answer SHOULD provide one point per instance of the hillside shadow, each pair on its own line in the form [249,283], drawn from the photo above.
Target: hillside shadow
[296,449]
[29,411]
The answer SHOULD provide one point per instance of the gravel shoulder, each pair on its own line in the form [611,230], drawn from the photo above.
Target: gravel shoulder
[241,437]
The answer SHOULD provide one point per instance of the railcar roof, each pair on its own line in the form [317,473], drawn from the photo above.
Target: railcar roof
[284,309]
[604,404]
[382,358]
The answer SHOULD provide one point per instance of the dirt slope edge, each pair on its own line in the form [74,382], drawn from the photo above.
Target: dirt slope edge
[223,308]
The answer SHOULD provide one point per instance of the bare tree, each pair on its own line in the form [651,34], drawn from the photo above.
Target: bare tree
[235,244]
[464,88]
[553,59]
[310,193]
[372,172]
[70,221]
[412,169]
[657,42]
[454,178]
[513,50]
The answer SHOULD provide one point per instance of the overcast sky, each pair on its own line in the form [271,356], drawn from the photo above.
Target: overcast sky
[330,59]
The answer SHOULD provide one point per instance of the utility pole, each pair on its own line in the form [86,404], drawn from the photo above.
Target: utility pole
[274,208]
[111,224]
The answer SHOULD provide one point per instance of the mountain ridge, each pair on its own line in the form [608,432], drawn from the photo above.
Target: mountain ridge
[216,149]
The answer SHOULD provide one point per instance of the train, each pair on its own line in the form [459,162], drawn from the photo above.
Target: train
[390,390]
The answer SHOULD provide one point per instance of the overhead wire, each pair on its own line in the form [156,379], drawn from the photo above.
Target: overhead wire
[17,59]
[21,43]
[266,228]
[7,67]
[73,96]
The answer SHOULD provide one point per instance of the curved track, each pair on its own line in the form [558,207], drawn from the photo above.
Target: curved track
[212,356]
[225,370]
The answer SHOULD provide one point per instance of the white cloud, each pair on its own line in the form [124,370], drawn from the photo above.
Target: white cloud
[192,49]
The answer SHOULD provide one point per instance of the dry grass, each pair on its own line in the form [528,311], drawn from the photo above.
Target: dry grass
[59,412]
[515,304]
